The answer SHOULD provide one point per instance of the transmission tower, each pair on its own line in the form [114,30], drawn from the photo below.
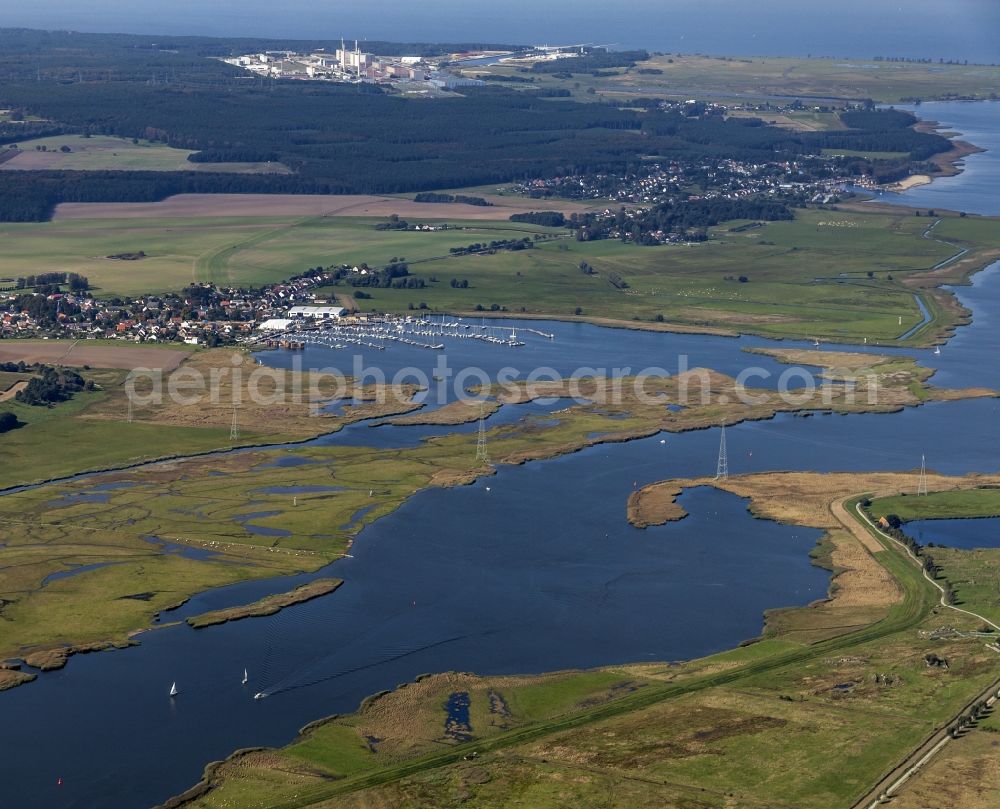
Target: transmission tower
[128,417]
[234,431]
[722,470]
[922,484]
[481,454]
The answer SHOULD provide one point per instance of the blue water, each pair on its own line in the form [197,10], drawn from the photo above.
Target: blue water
[533,569]
[187,551]
[73,571]
[925,318]
[967,534]
[975,189]
[849,29]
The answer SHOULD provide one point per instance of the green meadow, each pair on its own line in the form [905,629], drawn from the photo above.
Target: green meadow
[236,250]
[106,153]
[941,505]
[806,278]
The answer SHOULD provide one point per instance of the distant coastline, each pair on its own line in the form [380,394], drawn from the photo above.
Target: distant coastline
[948,163]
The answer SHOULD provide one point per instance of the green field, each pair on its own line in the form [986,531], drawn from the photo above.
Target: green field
[941,505]
[104,153]
[806,278]
[278,251]
[238,250]
[974,575]
[763,78]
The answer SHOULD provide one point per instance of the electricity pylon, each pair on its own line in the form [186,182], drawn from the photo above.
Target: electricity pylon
[481,454]
[234,430]
[922,484]
[722,470]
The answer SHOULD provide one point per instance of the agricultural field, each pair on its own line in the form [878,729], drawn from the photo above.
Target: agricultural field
[344,240]
[104,153]
[804,278]
[94,353]
[248,249]
[766,78]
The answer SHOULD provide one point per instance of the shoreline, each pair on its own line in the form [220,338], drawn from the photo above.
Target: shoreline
[268,605]
[948,164]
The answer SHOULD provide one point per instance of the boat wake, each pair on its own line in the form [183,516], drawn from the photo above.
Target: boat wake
[313,673]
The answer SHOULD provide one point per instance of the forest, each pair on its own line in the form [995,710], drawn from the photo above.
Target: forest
[688,218]
[591,61]
[357,138]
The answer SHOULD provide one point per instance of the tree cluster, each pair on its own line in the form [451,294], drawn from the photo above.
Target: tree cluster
[552,219]
[53,385]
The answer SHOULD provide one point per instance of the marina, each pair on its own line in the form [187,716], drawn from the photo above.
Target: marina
[379,333]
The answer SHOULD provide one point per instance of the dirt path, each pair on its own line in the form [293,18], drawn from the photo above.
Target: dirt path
[841,515]
[13,390]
